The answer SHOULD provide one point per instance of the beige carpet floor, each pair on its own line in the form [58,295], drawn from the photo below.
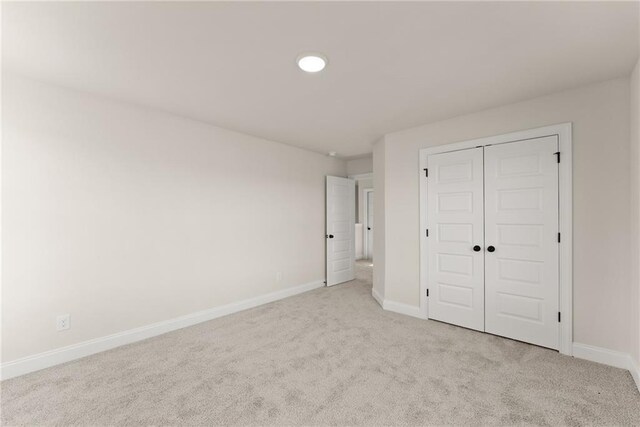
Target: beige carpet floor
[330,356]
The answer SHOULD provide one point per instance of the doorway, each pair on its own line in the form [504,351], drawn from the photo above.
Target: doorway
[363,202]
[368,225]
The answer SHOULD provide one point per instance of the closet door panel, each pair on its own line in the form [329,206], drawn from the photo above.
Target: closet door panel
[455,217]
[521,226]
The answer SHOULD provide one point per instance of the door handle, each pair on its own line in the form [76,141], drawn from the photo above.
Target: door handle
[368,228]
[329,236]
[491,249]
[477,248]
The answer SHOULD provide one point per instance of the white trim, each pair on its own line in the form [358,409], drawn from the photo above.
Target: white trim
[565,222]
[601,355]
[605,356]
[377,297]
[634,369]
[76,351]
[398,307]
[564,133]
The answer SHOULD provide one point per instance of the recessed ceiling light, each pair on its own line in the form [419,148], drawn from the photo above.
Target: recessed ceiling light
[312,62]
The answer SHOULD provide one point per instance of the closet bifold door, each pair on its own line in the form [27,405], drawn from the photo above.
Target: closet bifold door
[521,236]
[455,273]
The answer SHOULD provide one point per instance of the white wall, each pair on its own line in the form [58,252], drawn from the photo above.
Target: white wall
[635,212]
[600,116]
[123,216]
[379,206]
[360,166]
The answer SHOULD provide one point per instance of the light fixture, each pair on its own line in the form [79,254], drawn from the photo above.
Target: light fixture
[312,62]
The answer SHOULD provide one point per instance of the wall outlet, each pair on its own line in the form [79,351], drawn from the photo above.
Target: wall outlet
[62,322]
[278,276]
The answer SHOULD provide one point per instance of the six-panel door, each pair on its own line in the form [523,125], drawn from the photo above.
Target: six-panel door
[504,199]
[454,211]
[521,223]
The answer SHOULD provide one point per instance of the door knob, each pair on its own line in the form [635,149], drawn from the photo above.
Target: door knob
[368,228]
[330,236]
[477,248]
[491,249]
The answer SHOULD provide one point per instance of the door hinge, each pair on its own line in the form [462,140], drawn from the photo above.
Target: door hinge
[558,237]
[426,172]
[427,232]
[427,292]
[559,317]
[557,153]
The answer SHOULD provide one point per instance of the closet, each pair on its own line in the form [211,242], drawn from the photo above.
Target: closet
[493,239]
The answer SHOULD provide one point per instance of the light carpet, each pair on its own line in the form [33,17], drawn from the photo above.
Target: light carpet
[329,356]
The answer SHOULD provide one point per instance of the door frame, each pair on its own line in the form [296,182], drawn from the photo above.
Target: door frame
[565,209]
[365,213]
[360,196]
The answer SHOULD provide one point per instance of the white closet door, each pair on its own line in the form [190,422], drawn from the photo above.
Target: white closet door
[521,238]
[340,235]
[455,217]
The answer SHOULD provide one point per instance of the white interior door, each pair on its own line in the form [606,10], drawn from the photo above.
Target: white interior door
[521,237]
[369,229]
[340,234]
[455,218]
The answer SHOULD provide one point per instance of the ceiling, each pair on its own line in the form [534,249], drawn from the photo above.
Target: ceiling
[391,65]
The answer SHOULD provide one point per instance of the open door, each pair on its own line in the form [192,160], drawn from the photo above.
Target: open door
[340,230]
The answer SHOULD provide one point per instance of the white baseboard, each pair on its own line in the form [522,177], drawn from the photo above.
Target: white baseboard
[605,356]
[635,372]
[406,309]
[76,351]
[397,307]
[377,297]
[601,355]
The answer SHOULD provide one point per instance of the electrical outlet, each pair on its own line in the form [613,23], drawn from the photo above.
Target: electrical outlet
[62,322]
[278,276]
